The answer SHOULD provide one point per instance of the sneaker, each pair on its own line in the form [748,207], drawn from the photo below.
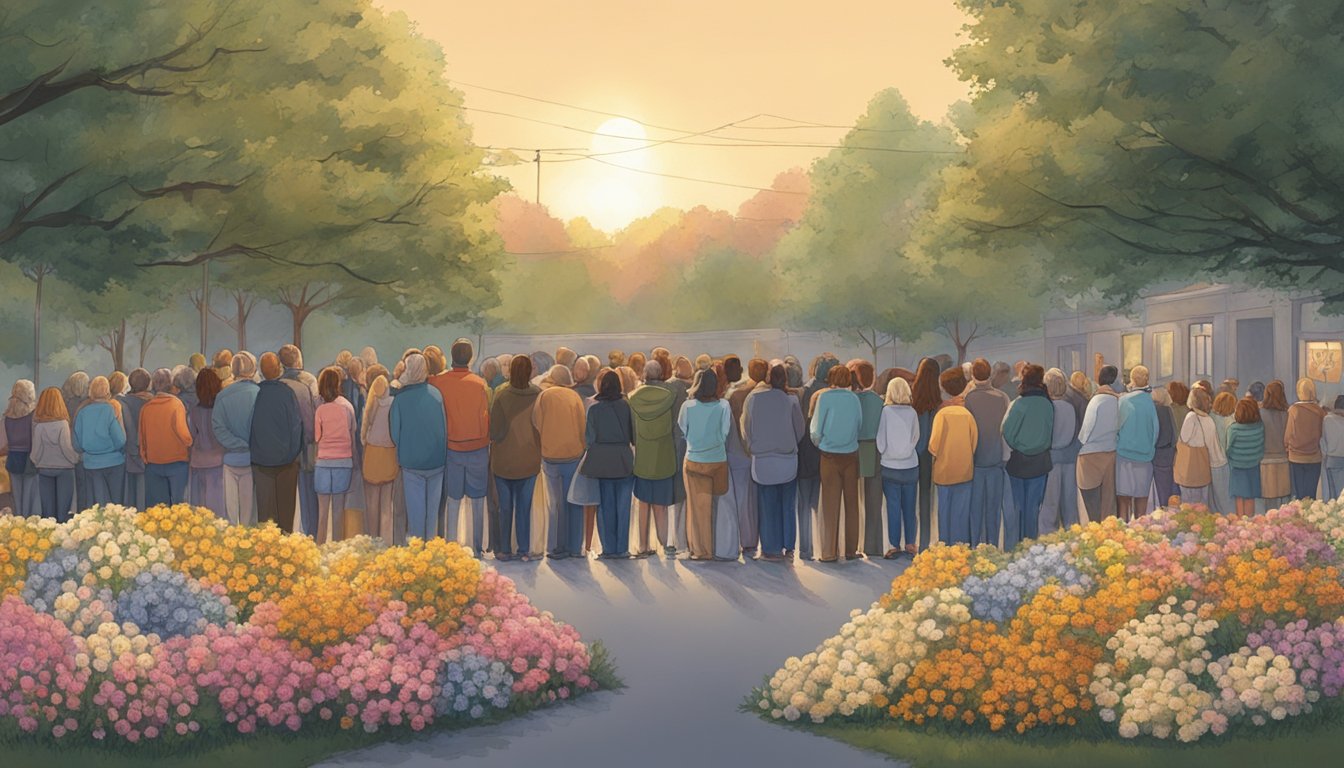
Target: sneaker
[670,551]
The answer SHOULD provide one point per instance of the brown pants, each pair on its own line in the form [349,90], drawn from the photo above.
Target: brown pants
[839,481]
[276,488]
[870,489]
[1096,480]
[700,507]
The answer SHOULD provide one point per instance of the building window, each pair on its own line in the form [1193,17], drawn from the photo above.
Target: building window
[1164,354]
[1131,352]
[1201,350]
[1324,361]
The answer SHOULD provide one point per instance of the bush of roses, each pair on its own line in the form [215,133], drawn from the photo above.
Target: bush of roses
[134,627]
[1181,625]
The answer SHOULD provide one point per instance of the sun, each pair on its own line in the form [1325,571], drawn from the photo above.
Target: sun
[616,185]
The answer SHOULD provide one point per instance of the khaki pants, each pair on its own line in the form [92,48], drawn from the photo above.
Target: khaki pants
[839,482]
[1096,479]
[700,507]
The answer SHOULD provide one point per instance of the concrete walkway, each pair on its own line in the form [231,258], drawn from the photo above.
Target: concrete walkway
[690,640]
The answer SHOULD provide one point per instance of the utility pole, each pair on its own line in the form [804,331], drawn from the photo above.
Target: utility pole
[205,303]
[537,160]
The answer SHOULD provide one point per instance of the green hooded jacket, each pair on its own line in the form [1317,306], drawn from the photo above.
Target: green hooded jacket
[655,449]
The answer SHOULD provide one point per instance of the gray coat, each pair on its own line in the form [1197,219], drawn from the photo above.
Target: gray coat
[772,426]
[988,406]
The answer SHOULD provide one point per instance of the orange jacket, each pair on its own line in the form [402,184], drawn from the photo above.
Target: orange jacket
[164,436]
[466,407]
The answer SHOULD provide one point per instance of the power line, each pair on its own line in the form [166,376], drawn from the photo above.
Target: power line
[691,178]
[899,150]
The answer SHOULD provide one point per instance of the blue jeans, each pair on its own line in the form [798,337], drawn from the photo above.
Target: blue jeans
[515,508]
[809,495]
[106,484]
[566,518]
[1304,479]
[900,511]
[56,489]
[986,504]
[166,483]
[423,488]
[308,500]
[1028,493]
[613,515]
[954,513]
[775,508]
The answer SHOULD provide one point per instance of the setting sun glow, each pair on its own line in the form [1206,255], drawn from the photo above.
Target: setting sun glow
[616,183]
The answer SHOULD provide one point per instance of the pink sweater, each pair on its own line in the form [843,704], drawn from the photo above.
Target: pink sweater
[334,429]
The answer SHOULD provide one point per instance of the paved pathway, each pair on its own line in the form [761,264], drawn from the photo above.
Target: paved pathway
[690,640]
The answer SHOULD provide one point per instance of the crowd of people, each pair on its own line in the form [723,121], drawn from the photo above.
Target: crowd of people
[710,457]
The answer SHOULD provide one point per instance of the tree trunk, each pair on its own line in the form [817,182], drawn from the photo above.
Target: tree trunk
[115,344]
[205,306]
[299,316]
[240,319]
[961,350]
[37,329]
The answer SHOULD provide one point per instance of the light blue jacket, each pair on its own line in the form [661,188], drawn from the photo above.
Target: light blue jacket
[418,427]
[837,421]
[99,436]
[1137,438]
[232,421]
[706,426]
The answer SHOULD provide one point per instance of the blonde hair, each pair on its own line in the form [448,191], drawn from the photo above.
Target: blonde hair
[51,406]
[100,389]
[376,391]
[898,391]
[22,399]
[1199,400]
[629,379]
[1055,385]
[1138,375]
[1306,390]
[1161,396]
[1080,382]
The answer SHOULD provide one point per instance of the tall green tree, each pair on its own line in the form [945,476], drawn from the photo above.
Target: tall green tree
[1136,142]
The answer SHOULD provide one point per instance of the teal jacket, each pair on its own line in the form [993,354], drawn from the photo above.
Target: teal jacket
[837,421]
[99,436]
[1137,439]
[1029,426]
[1245,445]
[418,427]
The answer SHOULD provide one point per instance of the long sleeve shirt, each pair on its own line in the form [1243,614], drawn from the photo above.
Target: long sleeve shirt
[952,445]
[836,421]
[52,446]
[1064,443]
[100,436]
[164,435]
[231,421]
[334,430]
[1101,423]
[1199,431]
[706,426]
[898,437]
[1136,438]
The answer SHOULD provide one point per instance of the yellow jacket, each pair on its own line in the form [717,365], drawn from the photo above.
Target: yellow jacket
[952,444]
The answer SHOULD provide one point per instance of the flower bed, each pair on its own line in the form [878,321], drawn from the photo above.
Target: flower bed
[1181,626]
[171,625]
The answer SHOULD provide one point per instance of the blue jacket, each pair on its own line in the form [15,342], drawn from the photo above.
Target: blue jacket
[1137,438]
[99,436]
[232,421]
[837,421]
[276,433]
[706,426]
[418,427]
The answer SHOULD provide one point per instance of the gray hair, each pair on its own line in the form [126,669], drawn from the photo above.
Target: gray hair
[1055,383]
[560,376]
[184,378]
[162,380]
[417,370]
[244,366]
[77,386]
[653,371]
[22,399]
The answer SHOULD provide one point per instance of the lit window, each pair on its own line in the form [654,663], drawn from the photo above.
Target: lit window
[1131,352]
[1201,350]
[1164,354]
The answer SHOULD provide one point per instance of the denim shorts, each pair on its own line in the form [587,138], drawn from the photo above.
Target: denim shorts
[330,481]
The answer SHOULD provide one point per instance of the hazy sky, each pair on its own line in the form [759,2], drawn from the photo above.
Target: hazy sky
[689,66]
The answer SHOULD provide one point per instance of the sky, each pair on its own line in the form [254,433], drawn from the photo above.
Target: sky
[676,69]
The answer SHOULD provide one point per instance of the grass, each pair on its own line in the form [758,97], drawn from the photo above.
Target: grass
[1312,740]
[228,750]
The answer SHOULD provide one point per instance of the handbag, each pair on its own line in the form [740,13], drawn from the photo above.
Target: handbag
[1191,469]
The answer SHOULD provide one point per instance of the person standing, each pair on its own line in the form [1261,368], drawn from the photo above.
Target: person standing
[1096,456]
[16,443]
[305,394]
[926,398]
[1164,452]
[681,389]
[560,420]
[100,437]
[1332,448]
[515,458]
[1302,438]
[836,420]
[1028,430]
[1245,451]
[706,421]
[898,442]
[988,406]
[1195,451]
[334,430]
[207,455]
[653,408]
[418,429]
[610,434]
[1060,505]
[231,421]
[132,403]
[75,392]
[275,443]
[809,460]
[1135,445]
[1275,482]
[870,477]
[952,443]
[165,443]
[772,426]
[741,497]
[380,459]
[466,412]
[54,455]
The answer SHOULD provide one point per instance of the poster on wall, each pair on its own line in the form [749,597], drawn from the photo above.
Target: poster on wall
[1323,361]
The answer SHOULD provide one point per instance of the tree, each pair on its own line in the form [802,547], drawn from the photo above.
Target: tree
[1132,143]
[848,263]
